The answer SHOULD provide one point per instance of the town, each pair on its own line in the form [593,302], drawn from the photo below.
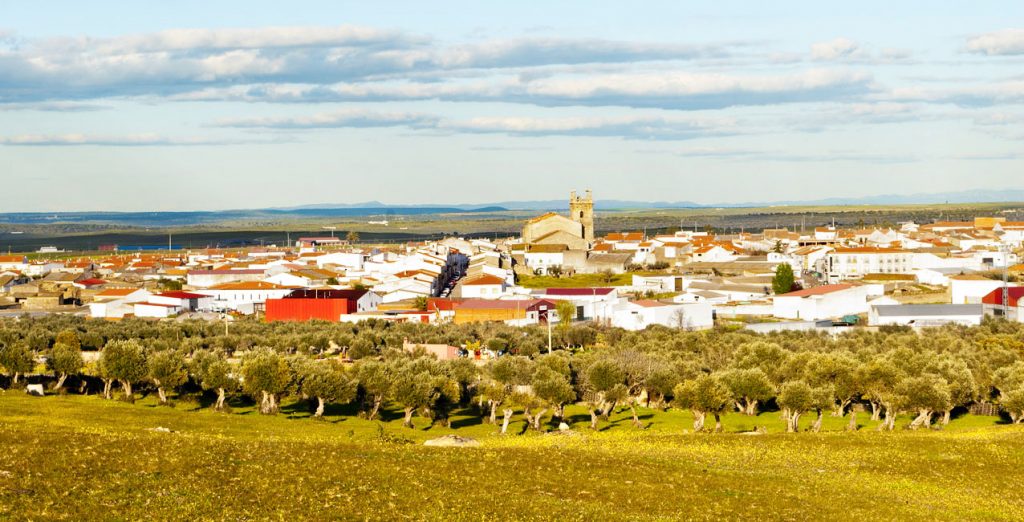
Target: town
[825,278]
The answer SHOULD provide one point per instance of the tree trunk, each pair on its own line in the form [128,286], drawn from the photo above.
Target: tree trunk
[607,413]
[494,412]
[923,418]
[538,418]
[376,407]
[751,408]
[15,380]
[793,425]
[107,384]
[945,417]
[593,418]
[786,414]
[636,417]
[127,387]
[83,384]
[841,408]
[890,419]
[220,399]
[408,417]
[852,426]
[876,412]
[60,381]
[319,407]
[162,394]
[718,423]
[504,422]
[816,427]
[698,421]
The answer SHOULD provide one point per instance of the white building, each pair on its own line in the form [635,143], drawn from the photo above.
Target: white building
[244,296]
[969,289]
[922,315]
[847,263]
[823,302]
[637,315]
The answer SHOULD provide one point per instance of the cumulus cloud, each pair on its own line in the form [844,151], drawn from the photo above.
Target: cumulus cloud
[1006,42]
[978,95]
[184,60]
[341,119]
[666,90]
[828,156]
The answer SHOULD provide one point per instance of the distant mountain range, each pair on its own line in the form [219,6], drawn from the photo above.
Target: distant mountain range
[969,196]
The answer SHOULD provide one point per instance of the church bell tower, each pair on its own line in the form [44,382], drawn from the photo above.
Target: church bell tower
[581,210]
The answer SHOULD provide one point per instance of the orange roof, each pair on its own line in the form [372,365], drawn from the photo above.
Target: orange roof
[117,292]
[625,236]
[486,279]
[12,259]
[542,217]
[250,285]
[868,250]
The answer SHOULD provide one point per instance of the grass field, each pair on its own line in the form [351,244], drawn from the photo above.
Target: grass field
[82,458]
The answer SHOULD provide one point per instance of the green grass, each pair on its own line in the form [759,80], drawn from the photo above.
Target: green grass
[575,281]
[73,457]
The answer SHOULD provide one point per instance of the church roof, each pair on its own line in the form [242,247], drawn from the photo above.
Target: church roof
[542,217]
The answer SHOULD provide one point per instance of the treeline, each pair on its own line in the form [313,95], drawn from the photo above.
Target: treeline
[929,375]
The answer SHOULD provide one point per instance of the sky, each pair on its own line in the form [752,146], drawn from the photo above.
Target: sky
[198,105]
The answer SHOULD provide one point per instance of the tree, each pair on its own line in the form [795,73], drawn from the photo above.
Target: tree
[418,384]
[17,358]
[167,371]
[421,302]
[504,374]
[125,361]
[795,397]
[748,388]
[603,388]
[69,337]
[926,394]
[375,381]
[706,394]
[265,374]
[328,381]
[566,311]
[783,281]
[352,236]
[879,379]
[552,390]
[64,359]
[214,373]
[1013,402]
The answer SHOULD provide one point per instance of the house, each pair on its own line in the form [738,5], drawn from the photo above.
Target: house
[845,263]
[591,303]
[115,303]
[639,314]
[187,301]
[443,352]
[244,296]
[822,302]
[326,305]
[1014,309]
[17,263]
[971,288]
[540,258]
[516,311]
[210,278]
[484,286]
[922,315]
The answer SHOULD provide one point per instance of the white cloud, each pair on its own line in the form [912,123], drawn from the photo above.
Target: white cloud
[999,43]
[129,140]
[834,49]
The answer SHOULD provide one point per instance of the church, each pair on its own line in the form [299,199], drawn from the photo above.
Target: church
[575,232]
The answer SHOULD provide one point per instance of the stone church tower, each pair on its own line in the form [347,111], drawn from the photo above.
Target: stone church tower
[581,210]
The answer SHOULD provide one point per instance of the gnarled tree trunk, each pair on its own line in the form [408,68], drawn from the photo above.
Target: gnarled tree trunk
[636,416]
[924,418]
[377,399]
[320,403]
[504,422]
[945,417]
[494,412]
[107,385]
[537,419]
[816,427]
[852,426]
[876,411]
[408,417]
[593,418]
[793,425]
[751,408]
[221,395]
[127,387]
[698,421]
[718,423]
[60,381]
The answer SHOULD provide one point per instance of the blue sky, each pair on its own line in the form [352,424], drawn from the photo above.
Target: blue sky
[210,105]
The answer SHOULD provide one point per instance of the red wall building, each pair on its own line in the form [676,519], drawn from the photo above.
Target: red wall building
[299,309]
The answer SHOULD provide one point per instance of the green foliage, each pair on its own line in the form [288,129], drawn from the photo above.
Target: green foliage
[126,362]
[265,374]
[784,279]
[16,358]
[167,371]
[703,396]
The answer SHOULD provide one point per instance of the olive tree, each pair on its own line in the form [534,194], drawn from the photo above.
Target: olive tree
[926,395]
[265,375]
[552,390]
[704,395]
[17,359]
[167,371]
[748,388]
[375,382]
[795,398]
[328,381]
[125,361]
[1013,402]
[65,359]
[603,388]
[214,372]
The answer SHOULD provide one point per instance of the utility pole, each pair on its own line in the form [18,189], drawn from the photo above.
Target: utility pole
[1006,284]
[549,331]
